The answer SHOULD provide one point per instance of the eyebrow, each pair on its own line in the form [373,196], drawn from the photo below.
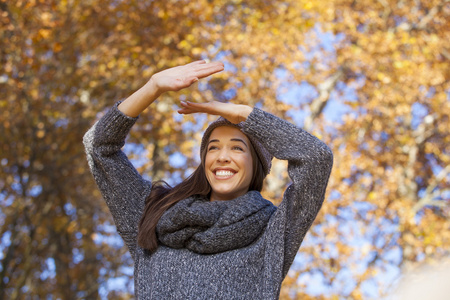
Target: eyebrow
[233,140]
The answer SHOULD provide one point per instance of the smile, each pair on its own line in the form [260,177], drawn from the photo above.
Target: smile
[224,174]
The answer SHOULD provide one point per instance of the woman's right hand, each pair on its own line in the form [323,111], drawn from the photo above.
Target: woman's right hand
[177,78]
[173,79]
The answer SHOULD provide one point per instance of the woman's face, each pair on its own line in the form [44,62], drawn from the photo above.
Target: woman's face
[228,163]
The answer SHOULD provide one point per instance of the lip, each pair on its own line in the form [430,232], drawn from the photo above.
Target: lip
[224,169]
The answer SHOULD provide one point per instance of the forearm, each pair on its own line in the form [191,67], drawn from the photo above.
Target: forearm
[121,185]
[309,167]
[135,104]
[284,140]
[309,159]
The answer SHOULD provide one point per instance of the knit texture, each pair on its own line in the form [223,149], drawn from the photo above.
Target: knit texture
[255,271]
[209,227]
[264,156]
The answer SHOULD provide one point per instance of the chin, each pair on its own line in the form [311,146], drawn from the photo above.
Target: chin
[226,194]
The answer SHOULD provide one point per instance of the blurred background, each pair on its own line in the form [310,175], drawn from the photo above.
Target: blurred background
[371,78]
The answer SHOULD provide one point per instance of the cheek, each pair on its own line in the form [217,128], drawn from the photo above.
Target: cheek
[248,167]
[208,161]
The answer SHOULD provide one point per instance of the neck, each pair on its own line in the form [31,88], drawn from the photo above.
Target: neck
[224,197]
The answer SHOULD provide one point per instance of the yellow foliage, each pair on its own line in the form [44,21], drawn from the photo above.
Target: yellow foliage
[391,57]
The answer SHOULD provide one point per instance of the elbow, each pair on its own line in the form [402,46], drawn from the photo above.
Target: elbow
[326,157]
[88,140]
[328,154]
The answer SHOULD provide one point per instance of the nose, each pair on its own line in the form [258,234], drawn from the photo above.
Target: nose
[223,156]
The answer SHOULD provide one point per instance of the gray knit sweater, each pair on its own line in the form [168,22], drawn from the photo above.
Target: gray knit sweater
[253,272]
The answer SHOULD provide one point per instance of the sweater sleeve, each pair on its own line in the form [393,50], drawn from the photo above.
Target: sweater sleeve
[309,167]
[122,187]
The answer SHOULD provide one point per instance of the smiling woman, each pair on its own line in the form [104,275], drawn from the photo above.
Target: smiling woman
[228,163]
[213,235]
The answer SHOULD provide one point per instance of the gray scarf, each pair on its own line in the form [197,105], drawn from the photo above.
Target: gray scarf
[209,227]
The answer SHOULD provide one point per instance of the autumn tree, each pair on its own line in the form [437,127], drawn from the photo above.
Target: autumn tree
[370,78]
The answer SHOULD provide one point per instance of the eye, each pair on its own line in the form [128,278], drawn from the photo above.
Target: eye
[238,148]
[212,148]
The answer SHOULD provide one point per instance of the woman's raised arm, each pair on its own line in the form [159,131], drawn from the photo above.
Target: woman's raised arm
[121,185]
[234,113]
[173,79]
[309,166]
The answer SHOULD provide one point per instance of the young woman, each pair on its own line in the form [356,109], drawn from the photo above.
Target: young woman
[213,235]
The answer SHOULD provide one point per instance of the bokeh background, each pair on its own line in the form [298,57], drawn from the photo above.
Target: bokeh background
[369,77]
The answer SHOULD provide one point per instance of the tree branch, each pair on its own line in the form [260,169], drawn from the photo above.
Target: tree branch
[430,192]
[406,26]
[319,103]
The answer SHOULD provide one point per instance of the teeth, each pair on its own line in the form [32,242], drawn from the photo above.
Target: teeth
[224,173]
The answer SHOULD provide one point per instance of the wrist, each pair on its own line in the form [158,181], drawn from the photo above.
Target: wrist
[140,100]
[151,89]
[245,111]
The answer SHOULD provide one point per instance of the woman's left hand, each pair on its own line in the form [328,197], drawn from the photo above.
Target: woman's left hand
[234,113]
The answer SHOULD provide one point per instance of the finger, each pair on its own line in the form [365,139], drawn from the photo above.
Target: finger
[196,105]
[184,104]
[212,65]
[197,62]
[193,80]
[186,111]
[192,106]
[185,82]
[209,71]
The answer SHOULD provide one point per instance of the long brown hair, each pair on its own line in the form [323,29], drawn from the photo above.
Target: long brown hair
[163,196]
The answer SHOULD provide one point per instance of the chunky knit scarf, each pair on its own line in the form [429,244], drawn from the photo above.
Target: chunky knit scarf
[209,227]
